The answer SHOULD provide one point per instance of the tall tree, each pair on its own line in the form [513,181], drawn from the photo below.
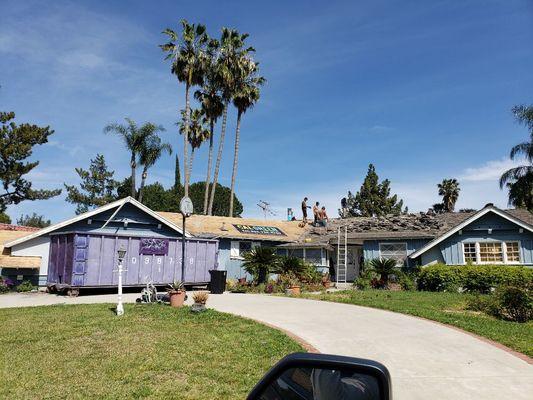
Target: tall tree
[519,180]
[34,220]
[150,153]
[188,54]
[177,176]
[135,139]
[4,218]
[373,198]
[449,190]
[97,186]
[245,96]
[212,107]
[198,133]
[16,145]
[231,51]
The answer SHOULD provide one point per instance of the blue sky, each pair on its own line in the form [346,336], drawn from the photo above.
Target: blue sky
[421,89]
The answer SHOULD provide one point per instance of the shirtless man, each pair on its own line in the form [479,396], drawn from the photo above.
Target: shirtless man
[322,217]
[316,210]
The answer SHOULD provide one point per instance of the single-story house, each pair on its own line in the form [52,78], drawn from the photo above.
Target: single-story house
[490,235]
[21,267]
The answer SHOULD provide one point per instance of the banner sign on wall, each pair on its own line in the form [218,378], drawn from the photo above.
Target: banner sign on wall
[153,246]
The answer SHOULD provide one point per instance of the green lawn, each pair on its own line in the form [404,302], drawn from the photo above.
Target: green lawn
[448,308]
[153,351]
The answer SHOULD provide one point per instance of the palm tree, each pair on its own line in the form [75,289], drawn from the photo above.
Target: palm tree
[198,133]
[212,107]
[245,96]
[259,262]
[519,179]
[383,267]
[188,55]
[449,190]
[230,52]
[135,139]
[151,152]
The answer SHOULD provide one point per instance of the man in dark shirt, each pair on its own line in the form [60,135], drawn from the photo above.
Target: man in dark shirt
[304,209]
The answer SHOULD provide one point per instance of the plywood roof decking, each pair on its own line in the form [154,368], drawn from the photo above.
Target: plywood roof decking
[7,234]
[215,226]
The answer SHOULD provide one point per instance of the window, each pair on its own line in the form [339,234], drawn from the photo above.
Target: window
[298,253]
[470,252]
[490,252]
[513,251]
[395,251]
[313,256]
[238,248]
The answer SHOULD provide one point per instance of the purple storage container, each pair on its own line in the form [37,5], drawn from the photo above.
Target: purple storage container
[90,260]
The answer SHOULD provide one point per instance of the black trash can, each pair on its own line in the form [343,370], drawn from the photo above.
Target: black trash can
[218,281]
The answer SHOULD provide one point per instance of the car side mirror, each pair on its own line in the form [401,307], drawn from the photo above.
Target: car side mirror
[308,376]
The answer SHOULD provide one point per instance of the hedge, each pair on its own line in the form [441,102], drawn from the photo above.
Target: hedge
[473,278]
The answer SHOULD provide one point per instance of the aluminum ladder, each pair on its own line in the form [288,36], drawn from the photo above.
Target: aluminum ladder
[342,256]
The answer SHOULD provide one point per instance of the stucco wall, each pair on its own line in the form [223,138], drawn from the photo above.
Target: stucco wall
[40,246]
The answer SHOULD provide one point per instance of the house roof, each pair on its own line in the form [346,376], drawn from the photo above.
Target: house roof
[115,204]
[522,218]
[408,226]
[10,233]
[225,227]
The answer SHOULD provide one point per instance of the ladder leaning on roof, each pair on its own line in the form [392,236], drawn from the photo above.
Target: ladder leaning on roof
[342,255]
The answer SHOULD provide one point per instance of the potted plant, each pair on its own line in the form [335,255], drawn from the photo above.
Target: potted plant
[293,285]
[200,298]
[176,293]
[326,282]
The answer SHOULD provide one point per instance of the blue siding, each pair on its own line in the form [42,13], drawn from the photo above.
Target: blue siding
[371,247]
[450,251]
[139,224]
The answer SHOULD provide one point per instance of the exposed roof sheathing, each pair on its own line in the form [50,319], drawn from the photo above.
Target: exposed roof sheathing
[223,227]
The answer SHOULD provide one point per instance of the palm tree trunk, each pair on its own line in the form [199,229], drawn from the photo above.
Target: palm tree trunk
[191,158]
[143,180]
[186,141]
[235,161]
[219,158]
[209,165]
[133,165]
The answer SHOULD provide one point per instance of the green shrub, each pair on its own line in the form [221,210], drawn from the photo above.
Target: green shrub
[514,303]
[25,286]
[439,278]
[473,278]
[407,281]
[364,281]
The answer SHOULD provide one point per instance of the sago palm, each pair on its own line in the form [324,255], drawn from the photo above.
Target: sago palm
[134,138]
[259,262]
[150,154]
[383,267]
[245,96]
[227,66]
[519,179]
[188,54]
[212,107]
[449,190]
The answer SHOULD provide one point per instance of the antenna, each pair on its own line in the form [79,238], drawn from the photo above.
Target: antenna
[265,206]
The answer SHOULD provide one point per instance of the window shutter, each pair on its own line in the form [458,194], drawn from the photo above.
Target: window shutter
[234,250]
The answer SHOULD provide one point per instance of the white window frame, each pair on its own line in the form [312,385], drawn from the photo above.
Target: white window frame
[504,252]
[394,243]
[235,248]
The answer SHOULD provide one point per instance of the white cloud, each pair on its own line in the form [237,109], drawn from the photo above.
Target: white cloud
[490,171]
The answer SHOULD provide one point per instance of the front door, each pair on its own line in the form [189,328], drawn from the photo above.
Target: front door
[352,262]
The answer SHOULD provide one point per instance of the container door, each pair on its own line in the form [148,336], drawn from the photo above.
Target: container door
[146,268]
[79,268]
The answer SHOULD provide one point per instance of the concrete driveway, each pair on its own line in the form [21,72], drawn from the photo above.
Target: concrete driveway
[426,360]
